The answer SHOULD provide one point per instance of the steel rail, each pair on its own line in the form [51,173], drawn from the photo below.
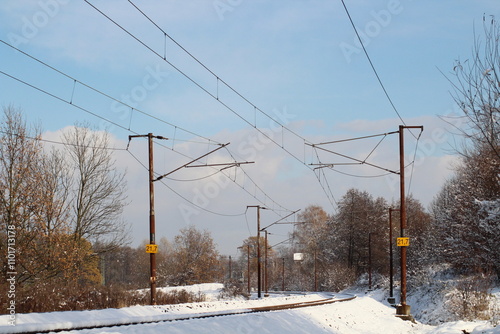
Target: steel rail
[201,316]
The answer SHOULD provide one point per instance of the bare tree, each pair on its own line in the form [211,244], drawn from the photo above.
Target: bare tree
[477,91]
[195,258]
[98,189]
[32,204]
[19,159]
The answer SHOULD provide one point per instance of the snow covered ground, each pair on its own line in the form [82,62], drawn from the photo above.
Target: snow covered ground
[368,313]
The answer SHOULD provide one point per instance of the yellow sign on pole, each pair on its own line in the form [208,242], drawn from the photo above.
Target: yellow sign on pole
[403,242]
[151,248]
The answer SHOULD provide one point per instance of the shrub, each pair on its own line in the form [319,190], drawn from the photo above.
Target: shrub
[233,289]
[471,298]
[68,297]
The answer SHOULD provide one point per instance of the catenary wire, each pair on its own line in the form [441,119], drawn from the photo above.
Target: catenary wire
[373,66]
[413,164]
[74,80]
[62,143]
[105,119]
[184,198]
[210,71]
[214,96]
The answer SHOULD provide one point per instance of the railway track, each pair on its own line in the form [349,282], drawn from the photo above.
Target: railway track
[198,316]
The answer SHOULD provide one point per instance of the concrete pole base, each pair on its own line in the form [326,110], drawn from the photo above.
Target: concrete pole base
[403,309]
[403,312]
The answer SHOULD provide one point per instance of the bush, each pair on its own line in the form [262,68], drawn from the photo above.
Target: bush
[51,297]
[471,298]
[233,289]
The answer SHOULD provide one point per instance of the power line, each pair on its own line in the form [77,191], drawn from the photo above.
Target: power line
[413,163]
[208,69]
[62,143]
[112,98]
[371,63]
[360,176]
[206,90]
[65,101]
[184,198]
[118,125]
[75,81]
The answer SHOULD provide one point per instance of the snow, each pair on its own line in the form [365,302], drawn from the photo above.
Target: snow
[368,313]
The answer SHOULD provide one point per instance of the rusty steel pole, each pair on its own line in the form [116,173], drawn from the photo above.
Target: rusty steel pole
[391,298]
[370,261]
[403,309]
[315,269]
[152,229]
[259,281]
[259,290]
[152,255]
[283,275]
[402,219]
[248,268]
[265,266]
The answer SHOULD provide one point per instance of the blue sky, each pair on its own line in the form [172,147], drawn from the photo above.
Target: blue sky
[297,61]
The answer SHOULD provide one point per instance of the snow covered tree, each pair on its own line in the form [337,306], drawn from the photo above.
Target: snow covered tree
[358,216]
[466,214]
[465,211]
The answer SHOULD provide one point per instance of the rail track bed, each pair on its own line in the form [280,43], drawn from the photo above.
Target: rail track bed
[109,323]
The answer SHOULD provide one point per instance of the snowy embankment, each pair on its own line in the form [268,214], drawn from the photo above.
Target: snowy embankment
[366,314]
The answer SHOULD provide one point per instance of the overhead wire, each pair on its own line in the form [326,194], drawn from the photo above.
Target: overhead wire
[73,104]
[373,66]
[75,81]
[63,143]
[358,161]
[218,79]
[65,101]
[183,197]
[413,164]
[209,70]
[204,89]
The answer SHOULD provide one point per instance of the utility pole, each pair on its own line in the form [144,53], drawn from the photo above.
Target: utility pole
[283,274]
[248,268]
[403,309]
[259,283]
[315,269]
[370,260]
[152,248]
[265,230]
[265,268]
[391,298]
[403,241]
[152,229]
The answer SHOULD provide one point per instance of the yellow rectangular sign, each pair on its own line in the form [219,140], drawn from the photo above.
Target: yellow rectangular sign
[403,242]
[151,248]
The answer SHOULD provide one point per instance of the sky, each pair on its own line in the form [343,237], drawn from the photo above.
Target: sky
[271,78]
